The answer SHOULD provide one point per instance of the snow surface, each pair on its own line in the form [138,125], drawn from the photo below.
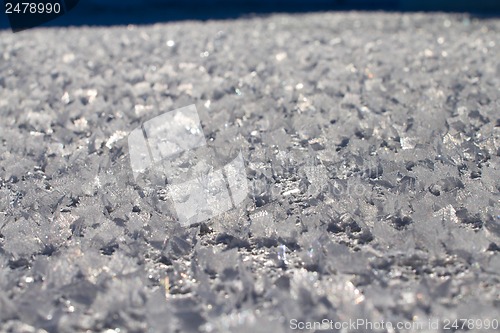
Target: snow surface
[371,144]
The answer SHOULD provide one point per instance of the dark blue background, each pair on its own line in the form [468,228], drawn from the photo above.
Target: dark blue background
[119,12]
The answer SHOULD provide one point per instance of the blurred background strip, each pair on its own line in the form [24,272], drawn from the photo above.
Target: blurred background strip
[418,5]
[123,12]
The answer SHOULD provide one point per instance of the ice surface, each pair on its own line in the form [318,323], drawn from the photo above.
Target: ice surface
[371,154]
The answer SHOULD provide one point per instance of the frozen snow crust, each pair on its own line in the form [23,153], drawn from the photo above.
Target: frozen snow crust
[371,144]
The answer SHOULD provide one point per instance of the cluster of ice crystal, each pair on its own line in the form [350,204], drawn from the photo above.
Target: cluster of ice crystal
[372,161]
